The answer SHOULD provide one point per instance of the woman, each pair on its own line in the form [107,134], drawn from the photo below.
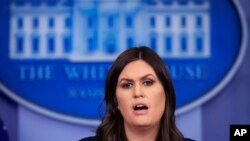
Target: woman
[140,100]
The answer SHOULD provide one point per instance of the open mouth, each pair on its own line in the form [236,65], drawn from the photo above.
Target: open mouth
[140,107]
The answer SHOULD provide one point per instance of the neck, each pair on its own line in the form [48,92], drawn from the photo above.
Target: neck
[141,133]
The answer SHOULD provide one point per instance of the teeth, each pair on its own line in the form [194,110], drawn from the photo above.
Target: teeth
[140,107]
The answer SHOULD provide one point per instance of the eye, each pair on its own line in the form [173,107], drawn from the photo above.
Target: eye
[126,85]
[148,82]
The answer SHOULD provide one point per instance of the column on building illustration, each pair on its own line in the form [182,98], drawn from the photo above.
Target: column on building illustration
[51,43]
[153,35]
[110,41]
[50,36]
[91,36]
[129,17]
[153,40]
[90,31]
[129,26]
[202,35]
[63,20]
[169,35]
[67,36]
[35,44]
[168,43]
[19,36]
[19,43]
[199,35]
[35,37]
[183,36]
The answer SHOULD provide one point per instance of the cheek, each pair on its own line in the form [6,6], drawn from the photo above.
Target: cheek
[122,101]
[159,102]
[124,107]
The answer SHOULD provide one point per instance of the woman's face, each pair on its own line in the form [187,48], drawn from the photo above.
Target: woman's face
[140,95]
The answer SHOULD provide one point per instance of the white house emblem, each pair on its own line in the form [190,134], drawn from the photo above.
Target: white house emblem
[58,52]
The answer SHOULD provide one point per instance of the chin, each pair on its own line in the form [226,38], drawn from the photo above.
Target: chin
[142,123]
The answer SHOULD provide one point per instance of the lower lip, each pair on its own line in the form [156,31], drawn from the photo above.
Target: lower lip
[141,112]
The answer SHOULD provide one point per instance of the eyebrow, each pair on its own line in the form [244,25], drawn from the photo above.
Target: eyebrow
[141,78]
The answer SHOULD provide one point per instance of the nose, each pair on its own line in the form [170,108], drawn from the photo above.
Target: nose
[138,91]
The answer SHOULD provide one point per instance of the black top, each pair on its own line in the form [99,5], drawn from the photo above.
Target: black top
[94,138]
[3,133]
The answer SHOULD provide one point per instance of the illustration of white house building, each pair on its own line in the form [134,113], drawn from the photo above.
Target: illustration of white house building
[98,30]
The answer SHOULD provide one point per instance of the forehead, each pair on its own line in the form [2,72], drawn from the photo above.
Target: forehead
[137,69]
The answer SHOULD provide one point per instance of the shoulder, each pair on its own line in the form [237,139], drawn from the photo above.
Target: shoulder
[92,138]
[187,139]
